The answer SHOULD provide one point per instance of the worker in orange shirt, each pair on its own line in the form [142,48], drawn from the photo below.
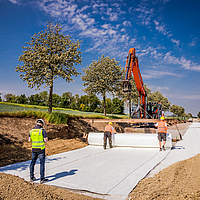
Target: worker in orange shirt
[109,130]
[162,132]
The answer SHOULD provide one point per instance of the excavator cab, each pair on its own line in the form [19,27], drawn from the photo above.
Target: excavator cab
[127,87]
[154,109]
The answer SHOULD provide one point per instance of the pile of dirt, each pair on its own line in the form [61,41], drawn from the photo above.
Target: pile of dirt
[14,133]
[13,187]
[179,181]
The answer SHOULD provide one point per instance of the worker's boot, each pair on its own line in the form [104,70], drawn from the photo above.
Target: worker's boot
[110,145]
[32,179]
[163,147]
[104,146]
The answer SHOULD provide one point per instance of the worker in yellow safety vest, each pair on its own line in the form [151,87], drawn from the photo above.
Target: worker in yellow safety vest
[109,130]
[38,137]
[162,132]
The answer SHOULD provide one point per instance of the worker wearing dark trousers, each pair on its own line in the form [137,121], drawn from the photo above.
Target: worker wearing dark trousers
[109,130]
[38,137]
[162,132]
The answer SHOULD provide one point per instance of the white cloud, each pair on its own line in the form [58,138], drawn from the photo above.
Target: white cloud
[145,16]
[15,1]
[186,64]
[58,8]
[127,23]
[149,74]
[184,96]
[155,87]
[160,27]
[177,42]
[165,1]
[193,43]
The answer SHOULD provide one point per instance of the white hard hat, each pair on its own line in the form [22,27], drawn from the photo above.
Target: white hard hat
[41,121]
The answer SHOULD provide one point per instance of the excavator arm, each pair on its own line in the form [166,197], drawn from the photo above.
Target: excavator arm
[132,68]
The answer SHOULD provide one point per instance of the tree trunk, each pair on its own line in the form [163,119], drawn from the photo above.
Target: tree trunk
[104,105]
[129,108]
[50,97]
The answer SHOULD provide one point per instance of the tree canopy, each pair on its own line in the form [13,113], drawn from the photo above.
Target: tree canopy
[102,76]
[49,55]
[157,96]
[177,110]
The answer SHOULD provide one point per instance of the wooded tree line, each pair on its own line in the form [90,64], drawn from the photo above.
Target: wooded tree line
[91,103]
[50,55]
[87,103]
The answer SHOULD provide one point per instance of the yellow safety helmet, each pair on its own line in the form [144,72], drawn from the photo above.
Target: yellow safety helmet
[162,118]
[110,123]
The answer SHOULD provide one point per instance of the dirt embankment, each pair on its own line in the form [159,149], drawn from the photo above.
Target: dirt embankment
[179,181]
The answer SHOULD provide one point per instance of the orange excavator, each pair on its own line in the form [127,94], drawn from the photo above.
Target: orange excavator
[145,110]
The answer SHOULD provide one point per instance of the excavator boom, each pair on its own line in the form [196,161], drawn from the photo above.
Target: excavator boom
[132,69]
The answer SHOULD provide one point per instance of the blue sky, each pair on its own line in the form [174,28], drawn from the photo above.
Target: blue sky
[165,34]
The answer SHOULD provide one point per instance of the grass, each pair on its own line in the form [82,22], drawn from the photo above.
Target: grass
[58,115]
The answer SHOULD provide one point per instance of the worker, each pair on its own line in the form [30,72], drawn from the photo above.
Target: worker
[155,113]
[38,137]
[109,130]
[162,132]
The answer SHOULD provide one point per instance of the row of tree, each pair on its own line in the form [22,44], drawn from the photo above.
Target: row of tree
[91,103]
[87,103]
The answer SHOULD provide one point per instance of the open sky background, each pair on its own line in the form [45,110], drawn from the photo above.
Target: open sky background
[165,33]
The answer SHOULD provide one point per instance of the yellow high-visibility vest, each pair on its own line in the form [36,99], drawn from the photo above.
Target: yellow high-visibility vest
[37,139]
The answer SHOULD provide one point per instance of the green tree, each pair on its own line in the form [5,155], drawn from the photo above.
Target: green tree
[35,99]
[198,115]
[102,76]
[117,105]
[185,115]
[22,99]
[108,105]
[0,96]
[75,102]
[56,100]
[66,100]
[157,96]
[8,97]
[44,98]
[49,55]
[93,102]
[189,115]
[177,110]
[89,102]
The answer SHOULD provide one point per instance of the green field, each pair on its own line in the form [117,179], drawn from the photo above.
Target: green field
[12,107]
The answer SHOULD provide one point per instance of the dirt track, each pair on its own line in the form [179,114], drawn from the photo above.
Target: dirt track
[179,181]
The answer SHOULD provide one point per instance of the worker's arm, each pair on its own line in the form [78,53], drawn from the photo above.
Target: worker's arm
[45,139]
[44,133]
[113,130]
[156,126]
[166,126]
[29,137]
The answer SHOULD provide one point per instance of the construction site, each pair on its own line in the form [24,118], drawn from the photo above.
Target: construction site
[79,170]
[82,163]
